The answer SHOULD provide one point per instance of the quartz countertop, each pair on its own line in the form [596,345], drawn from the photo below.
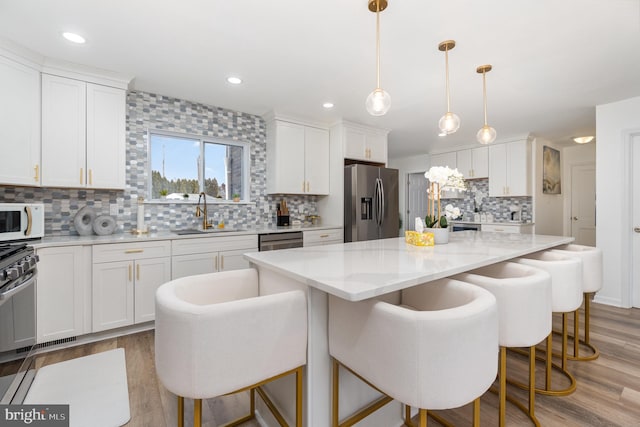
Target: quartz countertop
[492,222]
[361,270]
[53,241]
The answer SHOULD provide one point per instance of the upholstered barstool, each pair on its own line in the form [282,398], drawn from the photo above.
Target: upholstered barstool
[566,297]
[438,349]
[591,283]
[216,335]
[524,306]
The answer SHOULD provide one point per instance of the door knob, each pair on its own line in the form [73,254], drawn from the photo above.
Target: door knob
[575,218]
[636,229]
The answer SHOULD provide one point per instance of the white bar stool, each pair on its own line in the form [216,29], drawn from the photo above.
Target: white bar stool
[591,283]
[216,335]
[524,306]
[437,350]
[566,297]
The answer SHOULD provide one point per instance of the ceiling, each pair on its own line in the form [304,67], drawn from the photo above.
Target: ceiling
[553,61]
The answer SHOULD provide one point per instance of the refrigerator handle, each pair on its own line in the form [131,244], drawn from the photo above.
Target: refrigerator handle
[381,202]
[375,202]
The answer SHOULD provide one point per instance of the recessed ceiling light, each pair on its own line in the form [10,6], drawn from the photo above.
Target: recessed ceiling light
[73,37]
[234,80]
[327,105]
[583,139]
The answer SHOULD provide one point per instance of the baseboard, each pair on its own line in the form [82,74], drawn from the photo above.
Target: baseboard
[616,302]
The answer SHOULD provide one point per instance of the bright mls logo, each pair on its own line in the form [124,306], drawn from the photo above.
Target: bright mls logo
[34,415]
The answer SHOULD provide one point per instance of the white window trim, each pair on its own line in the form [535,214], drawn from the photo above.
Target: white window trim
[246,162]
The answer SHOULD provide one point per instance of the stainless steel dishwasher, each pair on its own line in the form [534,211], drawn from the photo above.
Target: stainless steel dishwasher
[275,241]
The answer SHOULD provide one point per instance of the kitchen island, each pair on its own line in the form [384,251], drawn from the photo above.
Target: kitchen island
[362,270]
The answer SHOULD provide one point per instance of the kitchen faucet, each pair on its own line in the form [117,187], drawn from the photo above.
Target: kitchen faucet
[203,212]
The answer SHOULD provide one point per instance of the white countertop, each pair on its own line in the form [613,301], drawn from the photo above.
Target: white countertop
[491,223]
[54,241]
[361,270]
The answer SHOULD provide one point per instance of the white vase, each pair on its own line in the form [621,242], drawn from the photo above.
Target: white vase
[440,235]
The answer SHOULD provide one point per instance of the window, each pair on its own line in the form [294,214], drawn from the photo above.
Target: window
[186,165]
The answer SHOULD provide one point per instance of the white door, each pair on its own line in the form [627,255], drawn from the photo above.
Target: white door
[583,204]
[635,194]
[417,200]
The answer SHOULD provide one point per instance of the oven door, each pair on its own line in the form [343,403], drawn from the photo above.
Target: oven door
[17,339]
[20,221]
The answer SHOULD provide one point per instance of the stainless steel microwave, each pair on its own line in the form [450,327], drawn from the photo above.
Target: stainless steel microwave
[19,221]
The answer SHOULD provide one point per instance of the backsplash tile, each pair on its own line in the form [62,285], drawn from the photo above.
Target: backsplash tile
[497,206]
[151,111]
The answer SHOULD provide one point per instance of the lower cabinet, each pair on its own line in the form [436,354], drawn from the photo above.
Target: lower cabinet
[508,228]
[322,237]
[209,255]
[125,279]
[63,295]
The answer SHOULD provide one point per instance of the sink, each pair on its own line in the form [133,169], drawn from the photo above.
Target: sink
[209,231]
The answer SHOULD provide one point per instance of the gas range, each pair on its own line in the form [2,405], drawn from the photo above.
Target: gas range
[17,264]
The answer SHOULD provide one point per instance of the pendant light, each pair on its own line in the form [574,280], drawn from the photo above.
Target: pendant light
[378,101]
[450,122]
[486,134]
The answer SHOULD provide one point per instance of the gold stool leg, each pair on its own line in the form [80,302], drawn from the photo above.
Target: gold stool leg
[407,415]
[197,413]
[576,333]
[547,378]
[252,401]
[423,417]
[502,376]
[180,411]
[299,397]
[587,316]
[564,341]
[336,389]
[532,380]
[476,412]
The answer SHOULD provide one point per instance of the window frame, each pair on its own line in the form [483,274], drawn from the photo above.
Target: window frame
[245,197]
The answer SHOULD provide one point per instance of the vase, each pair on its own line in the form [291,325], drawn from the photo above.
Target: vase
[440,235]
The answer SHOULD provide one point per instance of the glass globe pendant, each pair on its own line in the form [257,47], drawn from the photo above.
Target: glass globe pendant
[378,102]
[450,122]
[486,134]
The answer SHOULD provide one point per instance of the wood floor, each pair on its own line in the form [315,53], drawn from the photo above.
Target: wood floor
[608,392]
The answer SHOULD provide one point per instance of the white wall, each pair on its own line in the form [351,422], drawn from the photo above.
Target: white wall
[405,166]
[579,154]
[548,208]
[615,123]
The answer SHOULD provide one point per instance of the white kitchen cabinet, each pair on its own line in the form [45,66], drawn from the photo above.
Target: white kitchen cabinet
[125,279]
[297,159]
[322,237]
[473,163]
[83,134]
[508,228]
[63,297]
[365,144]
[210,254]
[510,169]
[444,159]
[19,123]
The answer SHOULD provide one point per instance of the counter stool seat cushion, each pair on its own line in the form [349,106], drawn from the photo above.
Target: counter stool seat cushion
[591,264]
[215,334]
[524,300]
[437,350]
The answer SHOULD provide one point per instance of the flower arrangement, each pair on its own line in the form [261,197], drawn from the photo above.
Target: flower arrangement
[441,178]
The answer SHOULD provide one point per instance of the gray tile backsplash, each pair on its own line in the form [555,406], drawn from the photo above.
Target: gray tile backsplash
[151,111]
[497,206]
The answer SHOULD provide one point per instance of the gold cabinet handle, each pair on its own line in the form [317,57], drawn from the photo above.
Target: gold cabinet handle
[221,262]
[130,273]
[36,168]
[90,176]
[303,186]
[307,186]
[134,251]
[498,229]
[216,262]
[137,271]
[323,236]
[81,176]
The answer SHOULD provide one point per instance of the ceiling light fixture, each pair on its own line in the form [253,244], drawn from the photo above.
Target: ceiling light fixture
[378,101]
[234,80]
[327,105]
[583,139]
[450,122]
[486,134]
[73,37]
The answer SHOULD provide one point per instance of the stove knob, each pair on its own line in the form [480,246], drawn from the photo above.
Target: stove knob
[3,275]
[13,273]
[30,262]
[37,257]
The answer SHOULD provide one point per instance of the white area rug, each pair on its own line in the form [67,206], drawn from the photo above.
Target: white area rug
[94,386]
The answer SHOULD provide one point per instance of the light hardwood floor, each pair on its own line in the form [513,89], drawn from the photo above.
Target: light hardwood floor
[608,392]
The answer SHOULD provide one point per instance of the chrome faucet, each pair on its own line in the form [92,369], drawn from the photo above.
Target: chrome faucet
[203,212]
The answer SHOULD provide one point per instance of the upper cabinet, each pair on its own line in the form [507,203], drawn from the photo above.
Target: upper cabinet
[444,159]
[366,144]
[473,163]
[19,123]
[83,134]
[510,169]
[297,158]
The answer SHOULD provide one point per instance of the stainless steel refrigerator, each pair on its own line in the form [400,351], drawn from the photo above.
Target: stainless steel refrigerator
[370,203]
